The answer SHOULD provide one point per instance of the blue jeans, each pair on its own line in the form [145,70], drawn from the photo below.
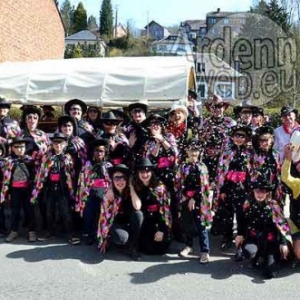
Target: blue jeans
[201,233]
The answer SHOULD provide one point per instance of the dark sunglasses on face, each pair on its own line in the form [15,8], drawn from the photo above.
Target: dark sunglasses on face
[119,178]
[240,135]
[110,123]
[57,142]
[217,106]
[93,111]
[19,147]
[136,111]
[99,151]
[76,108]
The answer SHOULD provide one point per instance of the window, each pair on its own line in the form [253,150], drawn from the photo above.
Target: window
[225,21]
[212,21]
[202,89]
[193,35]
[224,89]
[201,67]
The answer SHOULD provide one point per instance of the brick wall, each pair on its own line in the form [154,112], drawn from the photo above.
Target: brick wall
[30,30]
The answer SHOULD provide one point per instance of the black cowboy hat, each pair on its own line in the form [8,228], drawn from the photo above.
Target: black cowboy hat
[157,117]
[58,136]
[119,113]
[19,140]
[4,103]
[258,111]
[118,168]
[98,142]
[287,110]
[31,110]
[142,106]
[75,101]
[194,144]
[3,149]
[264,130]
[193,94]
[245,105]
[246,129]
[50,107]
[217,99]
[66,119]
[262,184]
[110,116]
[144,163]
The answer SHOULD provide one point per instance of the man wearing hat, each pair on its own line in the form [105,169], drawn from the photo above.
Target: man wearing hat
[77,108]
[118,143]
[215,132]
[136,131]
[18,175]
[48,114]
[55,181]
[9,128]
[283,133]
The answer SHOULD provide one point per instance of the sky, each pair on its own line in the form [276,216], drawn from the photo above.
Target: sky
[164,12]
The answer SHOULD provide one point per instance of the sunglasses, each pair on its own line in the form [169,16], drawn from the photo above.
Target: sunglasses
[76,108]
[110,123]
[57,142]
[93,111]
[136,111]
[67,125]
[217,106]
[119,178]
[240,135]
[263,140]
[19,147]
[99,151]
[155,123]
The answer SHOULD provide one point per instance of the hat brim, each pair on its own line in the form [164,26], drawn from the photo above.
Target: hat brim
[295,111]
[73,102]
[142,167]
[100,142]
[209,104]
[237,128]
[124,170]
[142,106]
[20,141]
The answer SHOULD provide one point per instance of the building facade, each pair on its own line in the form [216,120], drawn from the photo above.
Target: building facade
[30,30]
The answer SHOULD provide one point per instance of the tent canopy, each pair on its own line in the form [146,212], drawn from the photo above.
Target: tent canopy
[115,81]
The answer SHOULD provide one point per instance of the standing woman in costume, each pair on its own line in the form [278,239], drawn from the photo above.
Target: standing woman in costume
[151,197]
[119,222]
[266,161]
[231,184]
[93,181]
[118,143]
[39,141]
[93,117]
[262,229]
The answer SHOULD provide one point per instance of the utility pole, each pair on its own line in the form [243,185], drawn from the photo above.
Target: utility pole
[147,24]
[116,21]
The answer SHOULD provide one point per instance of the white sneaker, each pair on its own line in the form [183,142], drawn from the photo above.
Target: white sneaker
[204,258]
[185,252]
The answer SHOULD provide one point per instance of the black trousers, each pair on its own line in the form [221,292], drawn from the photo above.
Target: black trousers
[2,218]
[20,198]
[57,204]
[128,234]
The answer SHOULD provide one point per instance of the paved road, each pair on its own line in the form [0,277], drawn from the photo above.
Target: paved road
[60,271]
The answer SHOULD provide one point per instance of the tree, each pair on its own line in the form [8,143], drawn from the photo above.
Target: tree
[106,18]
[92,22]
[66,12]
[79,18]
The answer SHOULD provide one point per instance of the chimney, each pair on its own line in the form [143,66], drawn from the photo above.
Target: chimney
[218,10]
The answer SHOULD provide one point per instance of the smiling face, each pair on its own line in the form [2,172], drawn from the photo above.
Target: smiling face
[217,110]
[239,138]
[178,116]
[289,119]
[260,195]
[67,129]
[138,115]
[145,176]
[32,121]
[155,127]
[58,146]
[246,116]
[93,113]
[119,180]
[265,142]
[76,111]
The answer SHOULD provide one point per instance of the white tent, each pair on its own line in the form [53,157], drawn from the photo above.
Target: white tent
[98,81]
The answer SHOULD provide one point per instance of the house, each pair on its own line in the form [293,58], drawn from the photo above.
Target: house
[218,19]
[172,45]
[86,37]
[194,29]
[156,31]
[215,76]
[119,31]
[31,30]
